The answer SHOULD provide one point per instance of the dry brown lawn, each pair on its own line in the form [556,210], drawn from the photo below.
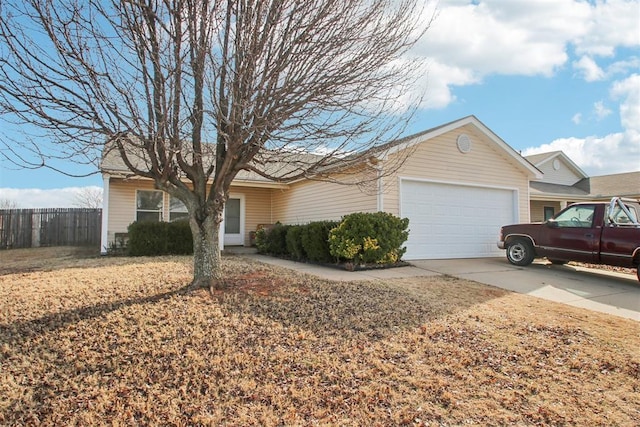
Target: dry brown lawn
[117,341]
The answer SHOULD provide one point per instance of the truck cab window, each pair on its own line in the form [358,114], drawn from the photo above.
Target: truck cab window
[580,216]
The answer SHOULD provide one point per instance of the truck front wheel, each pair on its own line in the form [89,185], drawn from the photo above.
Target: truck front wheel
[520,252]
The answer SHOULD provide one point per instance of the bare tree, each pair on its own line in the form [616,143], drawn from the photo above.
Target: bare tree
[89,197]
[8,204]
[190,92]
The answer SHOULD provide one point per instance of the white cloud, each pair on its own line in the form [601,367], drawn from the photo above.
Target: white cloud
[467,42]
[610,24]
[617,152]
[625,66]
[596,155]
[600,110]
[471,40]
[577,118]
[628,91]
[26,198]
[589,70]
[496,37]
[438,80]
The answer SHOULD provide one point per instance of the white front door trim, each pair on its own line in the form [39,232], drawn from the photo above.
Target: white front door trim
[234,239]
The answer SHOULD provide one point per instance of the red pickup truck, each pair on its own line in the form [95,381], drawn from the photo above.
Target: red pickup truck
[595,232]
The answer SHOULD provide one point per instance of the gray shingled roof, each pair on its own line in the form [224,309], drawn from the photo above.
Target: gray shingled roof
[620,184]
[113,164]
[536,159]
[547,189]
[274,163]
[595,187]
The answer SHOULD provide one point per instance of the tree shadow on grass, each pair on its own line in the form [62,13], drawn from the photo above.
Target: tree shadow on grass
[341,309]
[22,331]
[349,309]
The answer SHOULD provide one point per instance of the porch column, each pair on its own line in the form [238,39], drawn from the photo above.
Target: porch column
[104,243]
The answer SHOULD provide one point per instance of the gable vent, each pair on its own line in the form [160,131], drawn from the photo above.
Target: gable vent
[464,143]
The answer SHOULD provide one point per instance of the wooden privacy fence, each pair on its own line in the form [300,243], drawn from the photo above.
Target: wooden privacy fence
[29,228]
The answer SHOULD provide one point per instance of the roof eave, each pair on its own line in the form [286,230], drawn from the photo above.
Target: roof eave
[236,182]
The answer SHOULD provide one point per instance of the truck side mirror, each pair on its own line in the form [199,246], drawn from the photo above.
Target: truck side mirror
[551,223]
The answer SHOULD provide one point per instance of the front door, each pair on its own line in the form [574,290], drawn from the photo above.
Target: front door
[233,222]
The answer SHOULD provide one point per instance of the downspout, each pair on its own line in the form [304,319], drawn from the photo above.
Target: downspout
[377,165]
[104,235]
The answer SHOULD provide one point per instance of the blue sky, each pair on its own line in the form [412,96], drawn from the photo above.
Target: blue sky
[544,75]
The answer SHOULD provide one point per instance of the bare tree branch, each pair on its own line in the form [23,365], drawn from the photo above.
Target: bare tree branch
[190,92]
[8,204]
[89,197]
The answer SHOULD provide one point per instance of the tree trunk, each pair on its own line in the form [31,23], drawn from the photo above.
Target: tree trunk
[207,262]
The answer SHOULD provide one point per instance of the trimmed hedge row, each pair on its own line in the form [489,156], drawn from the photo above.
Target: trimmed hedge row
[160,238]
[300,242]
[360,238]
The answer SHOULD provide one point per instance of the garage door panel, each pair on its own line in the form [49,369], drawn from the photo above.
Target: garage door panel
[454,221]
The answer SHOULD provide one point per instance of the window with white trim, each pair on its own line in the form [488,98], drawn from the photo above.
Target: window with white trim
[149,205]
[177,209]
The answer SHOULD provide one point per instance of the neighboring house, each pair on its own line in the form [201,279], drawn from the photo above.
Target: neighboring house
[458,186]
[565,183]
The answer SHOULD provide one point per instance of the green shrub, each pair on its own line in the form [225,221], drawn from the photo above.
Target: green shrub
[272,241]
[147,238]
[277,239]
[369,238]
[160,238]
[262,245]
[315,240]
[179,238]
[294,242]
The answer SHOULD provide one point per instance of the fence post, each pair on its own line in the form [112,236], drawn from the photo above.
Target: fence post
[35,230]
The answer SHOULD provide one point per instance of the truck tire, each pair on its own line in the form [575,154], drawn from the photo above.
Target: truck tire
[638,273]
[520,252]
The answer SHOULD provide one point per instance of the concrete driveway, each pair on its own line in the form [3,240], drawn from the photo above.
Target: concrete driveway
[598,290]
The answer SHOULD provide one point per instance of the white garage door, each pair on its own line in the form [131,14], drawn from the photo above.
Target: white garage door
[454,221]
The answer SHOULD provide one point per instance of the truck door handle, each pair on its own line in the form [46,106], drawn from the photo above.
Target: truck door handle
[588,235]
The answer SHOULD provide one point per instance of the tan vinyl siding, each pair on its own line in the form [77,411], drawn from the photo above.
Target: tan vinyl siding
[564,175]
[316,201]
[257,208]
[122,205]
[439,159]
[537,209]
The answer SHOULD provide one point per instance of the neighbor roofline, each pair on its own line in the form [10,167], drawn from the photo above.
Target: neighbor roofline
[566,158]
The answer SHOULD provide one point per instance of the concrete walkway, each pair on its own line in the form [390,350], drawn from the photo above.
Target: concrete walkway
[598,290]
